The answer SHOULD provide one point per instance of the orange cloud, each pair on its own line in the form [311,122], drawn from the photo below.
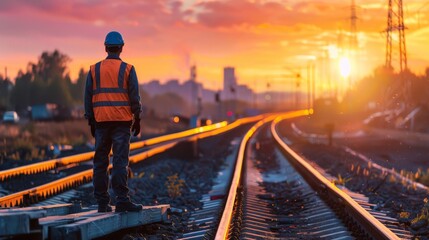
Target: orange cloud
[260,37]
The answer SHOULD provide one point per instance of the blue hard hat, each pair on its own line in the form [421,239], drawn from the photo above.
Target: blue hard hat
[113,39]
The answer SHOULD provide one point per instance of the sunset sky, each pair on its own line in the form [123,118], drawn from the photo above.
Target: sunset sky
[265,40]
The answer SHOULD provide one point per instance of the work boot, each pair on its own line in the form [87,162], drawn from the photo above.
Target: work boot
[104,208]
[128,207]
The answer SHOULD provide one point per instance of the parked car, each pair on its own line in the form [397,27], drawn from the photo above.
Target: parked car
[10,117]
[43,112]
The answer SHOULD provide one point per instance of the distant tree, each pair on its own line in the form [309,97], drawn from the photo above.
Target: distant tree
[21,94]
[389,90]
[5,92]
[51,67]
[58,92]
[77,89]
[419,90]
[39,93]
[46,81]
[371,89]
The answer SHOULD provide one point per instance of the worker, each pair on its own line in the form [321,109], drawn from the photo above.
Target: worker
[112,107]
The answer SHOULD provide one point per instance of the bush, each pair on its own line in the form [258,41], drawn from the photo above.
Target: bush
[174,185]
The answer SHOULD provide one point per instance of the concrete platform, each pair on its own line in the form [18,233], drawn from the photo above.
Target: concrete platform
[17,221]
[65,221]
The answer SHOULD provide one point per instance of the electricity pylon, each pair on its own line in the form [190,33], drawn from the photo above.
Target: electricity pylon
[395,22]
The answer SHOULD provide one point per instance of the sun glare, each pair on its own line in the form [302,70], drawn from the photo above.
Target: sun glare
[345,67]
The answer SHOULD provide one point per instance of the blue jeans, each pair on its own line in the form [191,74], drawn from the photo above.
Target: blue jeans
[116,135]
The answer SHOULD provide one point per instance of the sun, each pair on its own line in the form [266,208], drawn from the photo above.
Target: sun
[345,67]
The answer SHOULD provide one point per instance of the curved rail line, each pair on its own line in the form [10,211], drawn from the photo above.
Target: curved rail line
[366,222]
[321,184]
[38,193]
[227,214]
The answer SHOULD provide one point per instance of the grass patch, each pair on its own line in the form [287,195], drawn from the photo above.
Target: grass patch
[30,140]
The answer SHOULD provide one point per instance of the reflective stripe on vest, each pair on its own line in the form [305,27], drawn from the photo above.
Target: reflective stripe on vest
[110,98]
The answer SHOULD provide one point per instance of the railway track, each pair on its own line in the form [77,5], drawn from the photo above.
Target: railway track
[139,150]
[362,194]
[303,205]
[325,211]
[84,157]
[37,222]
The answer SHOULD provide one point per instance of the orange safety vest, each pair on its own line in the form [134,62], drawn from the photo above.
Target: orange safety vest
[110,100]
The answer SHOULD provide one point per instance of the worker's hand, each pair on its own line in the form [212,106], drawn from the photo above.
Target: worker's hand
[136,126]
[91,123]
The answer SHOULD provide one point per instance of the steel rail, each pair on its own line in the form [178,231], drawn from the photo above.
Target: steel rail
[83,157]
[228,127]
[173,136]
[45,165]
[46,190]
[224,224]
[371,225]
[35,194]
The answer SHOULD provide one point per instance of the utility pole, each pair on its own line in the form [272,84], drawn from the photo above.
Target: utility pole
[297,92]
[353,26]
[309,75]
[254,95]
[313,77]
[353,41]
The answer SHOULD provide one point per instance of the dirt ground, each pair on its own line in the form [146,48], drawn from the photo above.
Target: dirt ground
[390,153]
[68,132]
[29,142]
[401,200]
